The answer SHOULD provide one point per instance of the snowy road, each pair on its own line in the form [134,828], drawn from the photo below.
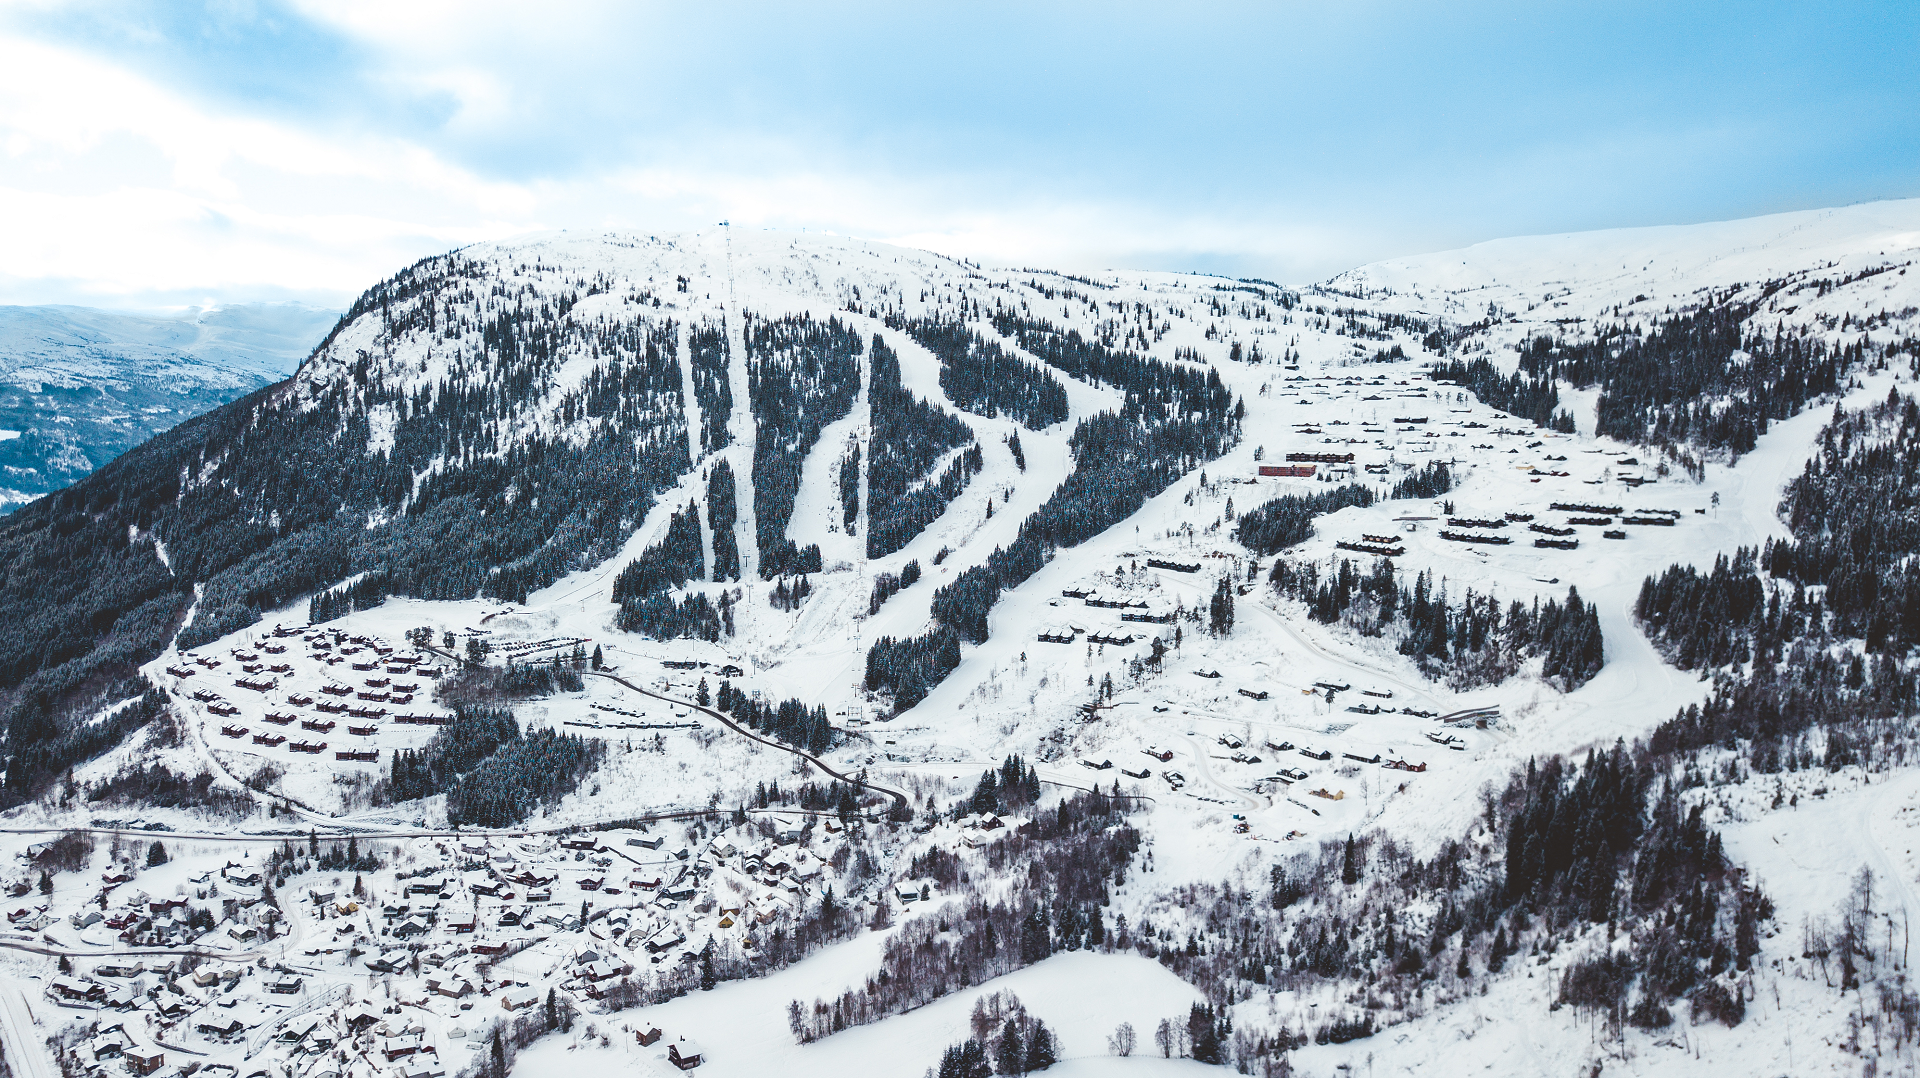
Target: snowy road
[1205,775]
[27,1054]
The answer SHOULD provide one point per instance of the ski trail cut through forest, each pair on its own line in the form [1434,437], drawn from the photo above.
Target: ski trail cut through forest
[746,439]
[684,345]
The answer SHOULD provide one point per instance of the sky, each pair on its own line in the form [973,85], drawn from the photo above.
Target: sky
[234,151]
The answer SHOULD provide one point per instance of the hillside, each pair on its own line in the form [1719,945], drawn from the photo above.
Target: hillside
[80,386]
[1460,649]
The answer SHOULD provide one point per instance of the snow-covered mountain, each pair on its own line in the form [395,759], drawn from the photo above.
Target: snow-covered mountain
[79,386]
[1816,267]
[1337,587]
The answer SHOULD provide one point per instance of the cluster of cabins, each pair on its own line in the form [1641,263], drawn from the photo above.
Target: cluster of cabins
[362,707]
[1131,610]
[1552,537]
[1385,546]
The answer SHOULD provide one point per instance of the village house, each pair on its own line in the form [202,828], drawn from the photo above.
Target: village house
[683,1054]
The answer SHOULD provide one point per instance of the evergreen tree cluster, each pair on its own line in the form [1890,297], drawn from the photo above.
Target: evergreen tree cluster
[1007,1041]
[840,798]
[985,379]
[1698,377]
[922,504]
[722,511]
[1220,608]
[805,728]
[670,563]
[708,358]
[48,737]
[787,597]
[157,786]
[334,603]
[1149,384]
[333,855]
[536,679]
[1429,482]
[1288,520]
[1610,841]
[1519,394]
[661,616]
[909,438]
[642,587]
[1855,517]
[850,489]
[1813,636]
[887,585]
[1006,789]
[1118,465]
[1847,572]
[908,669]
[1208,1033]
[1471,642]
[1716,618]
[520,776]
[1061,865]
[802,374]
[455,749]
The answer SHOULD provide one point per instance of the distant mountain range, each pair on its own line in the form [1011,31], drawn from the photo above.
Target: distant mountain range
[79,386]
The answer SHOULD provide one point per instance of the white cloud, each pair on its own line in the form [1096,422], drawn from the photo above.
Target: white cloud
[121,191]
[111,180]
